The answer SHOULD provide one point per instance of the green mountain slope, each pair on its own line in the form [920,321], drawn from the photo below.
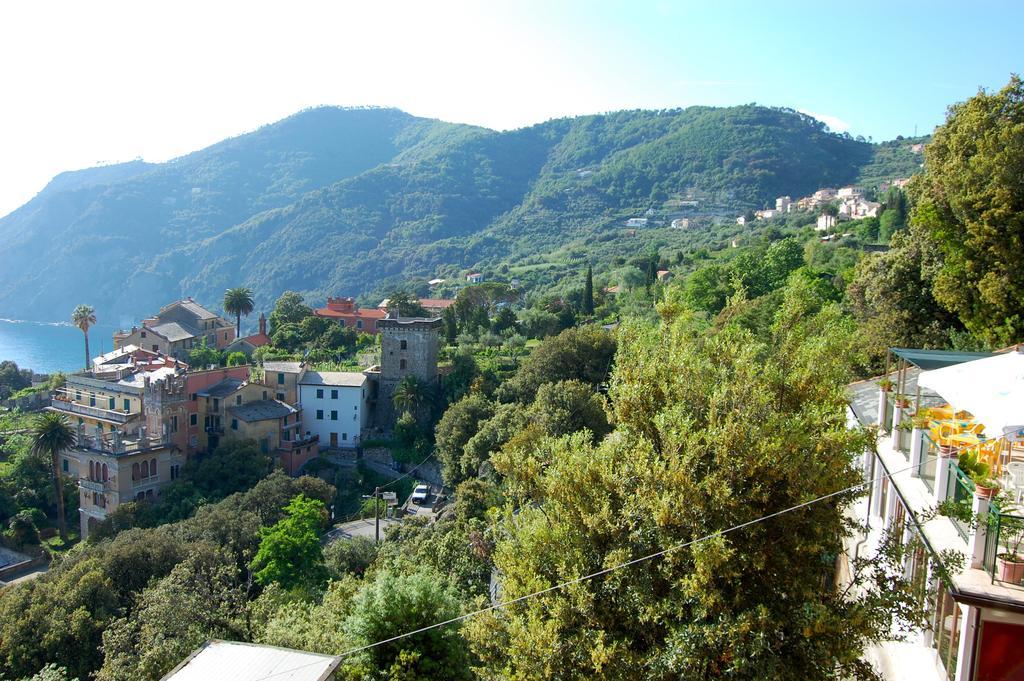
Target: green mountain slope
[336,201]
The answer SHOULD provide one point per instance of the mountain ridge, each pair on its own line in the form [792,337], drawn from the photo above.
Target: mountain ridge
[333,200]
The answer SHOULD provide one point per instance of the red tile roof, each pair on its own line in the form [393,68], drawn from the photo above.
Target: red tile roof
[367,313]
[436,303]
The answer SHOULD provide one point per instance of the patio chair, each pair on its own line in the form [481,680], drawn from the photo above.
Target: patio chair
[1015,470]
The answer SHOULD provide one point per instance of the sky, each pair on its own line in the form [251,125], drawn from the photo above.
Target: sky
[89,83]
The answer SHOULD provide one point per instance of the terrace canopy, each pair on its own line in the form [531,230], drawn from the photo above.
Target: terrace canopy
[927,360]
[991,389]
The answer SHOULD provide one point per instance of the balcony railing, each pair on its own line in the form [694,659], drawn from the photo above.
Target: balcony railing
[288,445]
[1004,541]
[117,445]
[70,407]
[960,490]
[97,485]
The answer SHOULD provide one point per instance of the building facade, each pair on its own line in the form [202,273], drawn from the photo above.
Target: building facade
[178,328]
[408,347]
[336,406]
[345,312]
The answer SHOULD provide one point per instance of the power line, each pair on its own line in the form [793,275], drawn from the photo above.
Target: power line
[619,566]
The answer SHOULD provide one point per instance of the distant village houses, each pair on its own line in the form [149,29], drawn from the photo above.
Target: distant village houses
[178,328]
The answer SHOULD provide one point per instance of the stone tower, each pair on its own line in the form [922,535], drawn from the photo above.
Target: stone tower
[408,347]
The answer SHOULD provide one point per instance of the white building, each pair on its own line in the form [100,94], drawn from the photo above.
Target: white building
[681,223]
[231,661]
[636,222]
[825,222]
[336,405]
[782,204]
[849,192]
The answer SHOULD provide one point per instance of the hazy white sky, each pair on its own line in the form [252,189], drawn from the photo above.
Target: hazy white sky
[91,82]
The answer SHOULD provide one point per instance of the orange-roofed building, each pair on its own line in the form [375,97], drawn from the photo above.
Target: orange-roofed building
[248,344]
[344,311]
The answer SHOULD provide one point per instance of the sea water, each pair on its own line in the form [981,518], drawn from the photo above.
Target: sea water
[46,347]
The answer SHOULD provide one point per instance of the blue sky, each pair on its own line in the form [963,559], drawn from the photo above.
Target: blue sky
[89,83]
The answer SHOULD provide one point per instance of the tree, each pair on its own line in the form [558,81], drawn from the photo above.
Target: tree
[203,356]
[51,435]
[13,379]
[289,309]
[350,556]
[459,423]
[409,394]
[707,289]
[567,407]
[237,359]
[969,201]
[451,324]
[584,354]
[753,604]
[891,298]
[588,292]
[84,317]
[394,604]
[238,301]
[406,304]
[290,553]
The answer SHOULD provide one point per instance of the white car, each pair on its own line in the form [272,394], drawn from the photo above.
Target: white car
[420,494]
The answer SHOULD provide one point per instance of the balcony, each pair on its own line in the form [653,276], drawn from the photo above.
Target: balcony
[288,445]
[215,430]
[69,407]
[98,486]
[118,444]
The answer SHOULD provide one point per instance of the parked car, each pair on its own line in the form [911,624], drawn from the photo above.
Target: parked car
[420,494]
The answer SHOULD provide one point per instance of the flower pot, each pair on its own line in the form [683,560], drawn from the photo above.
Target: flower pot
[1011,569]
[985,492]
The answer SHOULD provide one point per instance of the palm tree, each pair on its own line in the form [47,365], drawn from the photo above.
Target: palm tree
[83,317]
[409,394]
[238,301]
[51,435]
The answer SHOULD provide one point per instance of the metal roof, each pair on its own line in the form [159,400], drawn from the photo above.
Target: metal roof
[222,388]
[173,331]
[230,661]
[936,359]
[283,367]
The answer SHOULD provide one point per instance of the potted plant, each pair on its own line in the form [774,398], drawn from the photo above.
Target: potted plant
[902,401]
[921,422]
[1010,562]
[885,384]
[985,486]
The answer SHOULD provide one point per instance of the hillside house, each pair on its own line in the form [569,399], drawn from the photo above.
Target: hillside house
[474,277]
[783,203]
[248,344]
[178,328]
[825,222]
[344,311]
[231,661]
[336,405]
[636,222]
[680,223]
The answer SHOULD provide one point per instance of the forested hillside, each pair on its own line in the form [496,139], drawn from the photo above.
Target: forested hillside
[333,201]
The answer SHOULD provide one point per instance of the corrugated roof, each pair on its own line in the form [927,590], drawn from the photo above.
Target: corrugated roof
[338,378]
[230,661]
[193,307]
[262,410]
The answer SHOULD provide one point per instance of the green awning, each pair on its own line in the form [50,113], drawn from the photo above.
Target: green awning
[926,360]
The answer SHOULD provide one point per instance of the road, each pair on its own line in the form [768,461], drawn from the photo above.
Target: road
[365,528]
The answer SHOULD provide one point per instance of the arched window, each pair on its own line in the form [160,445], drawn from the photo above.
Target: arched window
[135,471]
[152,467]
[140,496]
[104,472]
[92,471]
[145,469]
[149,494]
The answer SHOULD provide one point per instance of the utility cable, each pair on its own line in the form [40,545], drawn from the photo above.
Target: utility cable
[619,566]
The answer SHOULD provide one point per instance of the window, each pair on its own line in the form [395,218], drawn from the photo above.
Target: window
[65,462]
[193,419]
[344,436]
[334,394]
[280,378]
[404,344]
[92,473]
[334,416]
[92,400]
[156,348]
[280,396]
[238,400]
[127,404]
[341,322]
[319,393]
[265,446]
[112,402]
[225,335]
[104,475]
[234,424]
[136,471]
[216,404]
[264,394]
[359,323]
[78,396]
[193,397]
[401,364]
[355,407]
[319,414]
[152,467]
[144,468]
[174,423]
